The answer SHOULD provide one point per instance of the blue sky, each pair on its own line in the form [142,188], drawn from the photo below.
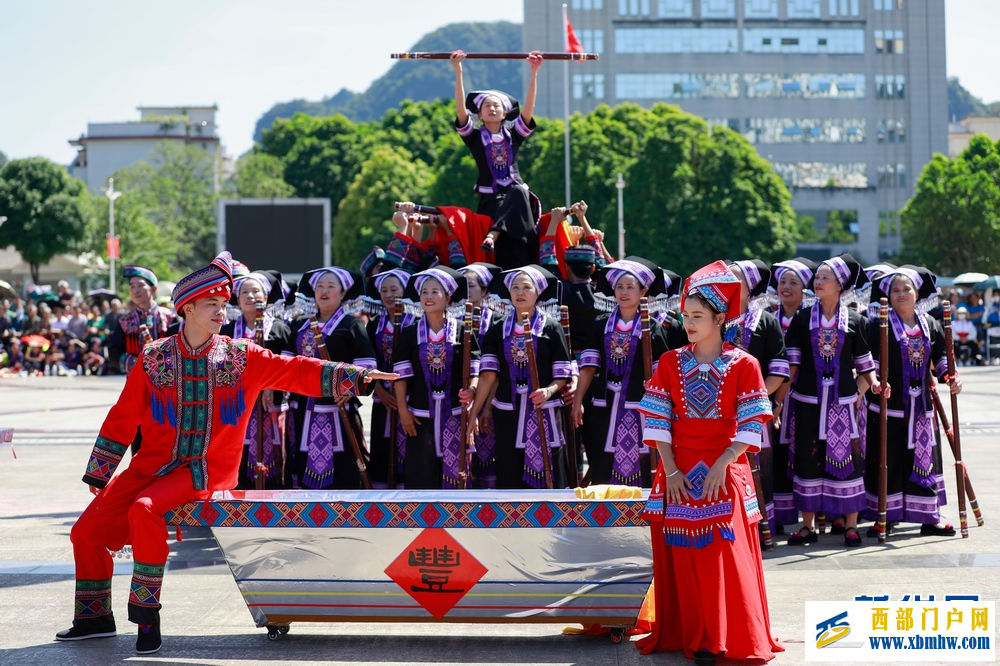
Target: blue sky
[64,63]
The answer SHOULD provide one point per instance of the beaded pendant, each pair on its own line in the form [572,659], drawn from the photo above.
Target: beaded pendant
[436,357]
[827,343]
[619,346]
[519,350]
[498,153]
[915,350]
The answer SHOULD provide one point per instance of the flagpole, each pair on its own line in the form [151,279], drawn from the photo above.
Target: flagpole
[569,200]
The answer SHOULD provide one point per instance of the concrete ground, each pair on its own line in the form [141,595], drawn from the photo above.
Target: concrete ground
[206,621]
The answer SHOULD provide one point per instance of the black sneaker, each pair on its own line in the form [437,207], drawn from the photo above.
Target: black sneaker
[148,641]
[91,627]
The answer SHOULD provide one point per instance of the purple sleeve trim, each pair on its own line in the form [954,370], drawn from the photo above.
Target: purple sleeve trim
[404,369]
[466,129]
[490,363]
[590,358]
[794,355]
[778,368]
[562,370]
[864,363]
[522,127]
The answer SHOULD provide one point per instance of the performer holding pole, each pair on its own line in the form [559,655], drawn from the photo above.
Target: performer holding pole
[463,430]
[969,492]
[883,420]
[567,411]
[503,194]
[505,363]
[192,446]
[529,347]
[963,521]
[383,297]
[913,461]
[611,377]
[264,289]
[429,392]
[260,467]
[345,423]
[326,457]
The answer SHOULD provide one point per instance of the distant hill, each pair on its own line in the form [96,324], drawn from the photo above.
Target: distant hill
[962,103]
[421,80]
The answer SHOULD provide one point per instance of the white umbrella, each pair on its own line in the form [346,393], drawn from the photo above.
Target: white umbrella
[6,291]
[969,279]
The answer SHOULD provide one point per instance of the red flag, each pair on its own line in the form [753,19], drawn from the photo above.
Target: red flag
[573,44]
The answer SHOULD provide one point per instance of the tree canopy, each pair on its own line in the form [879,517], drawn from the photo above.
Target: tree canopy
[952,223]
[45,209]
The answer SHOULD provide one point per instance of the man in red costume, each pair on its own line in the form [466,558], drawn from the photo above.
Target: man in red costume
[192,394]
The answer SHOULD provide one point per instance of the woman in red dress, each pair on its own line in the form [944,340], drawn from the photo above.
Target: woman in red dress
[705,407]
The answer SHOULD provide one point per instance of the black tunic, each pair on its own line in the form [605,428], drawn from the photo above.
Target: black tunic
[422,466]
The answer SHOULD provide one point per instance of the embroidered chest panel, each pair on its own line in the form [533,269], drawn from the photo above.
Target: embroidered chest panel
[702,383]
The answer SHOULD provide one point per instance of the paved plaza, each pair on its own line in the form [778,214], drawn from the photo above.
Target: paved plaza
[206,622]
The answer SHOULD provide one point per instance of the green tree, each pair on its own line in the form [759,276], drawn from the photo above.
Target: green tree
[454,174]
[952,223]
[838,226]
[45,210]
[3,159]
[176,192]
[805,230]
[321,156]
[364,215]
[259,176]
[704,195]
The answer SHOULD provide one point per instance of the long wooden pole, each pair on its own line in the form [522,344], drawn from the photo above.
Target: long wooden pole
[574,471]
[463,428]
[883,418]
[970,493]
[345,422]
[493,55]
[260,469]
[539,414]
[949,345]
[397,322]
[647,366]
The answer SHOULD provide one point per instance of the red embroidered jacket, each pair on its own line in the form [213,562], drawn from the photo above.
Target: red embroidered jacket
[193,406]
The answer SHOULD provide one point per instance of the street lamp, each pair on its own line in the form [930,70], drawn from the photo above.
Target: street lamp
[111,194]
[621,217]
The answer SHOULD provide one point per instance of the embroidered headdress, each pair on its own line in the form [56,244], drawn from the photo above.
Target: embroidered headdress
[717,285]
[129,272]
[373,305]
[216,279]
[372,261]
[474,101]
[454,283]
[484,272]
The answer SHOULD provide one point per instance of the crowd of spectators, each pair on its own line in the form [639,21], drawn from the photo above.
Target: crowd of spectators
[60,334]
[976,324]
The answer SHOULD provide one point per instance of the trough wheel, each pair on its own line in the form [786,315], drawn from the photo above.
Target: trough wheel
[617,634]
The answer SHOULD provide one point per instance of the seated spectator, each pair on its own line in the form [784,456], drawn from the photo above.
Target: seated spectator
[16,314]
[76,323]
[66,295]
[965,334]
[72,362]
[34,360]
[56,352]
[32,320]
[59,319]
[93,360]
[6,325]
[13,364]
[993,313]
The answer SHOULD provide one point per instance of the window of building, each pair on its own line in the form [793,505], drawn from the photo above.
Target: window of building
[675,9]
[731,123]
[823,174]
[890,86]
[592,40]
[676,40]
[888,5]
[677,86]
[588,86]
[891,176]
[806,86]
[760,9]
[804,9]
[888,223]
[889,41]
[718,9]
[803,40]
[633,7]
[890,131]
[845,8]
[588,4]
[805,130]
